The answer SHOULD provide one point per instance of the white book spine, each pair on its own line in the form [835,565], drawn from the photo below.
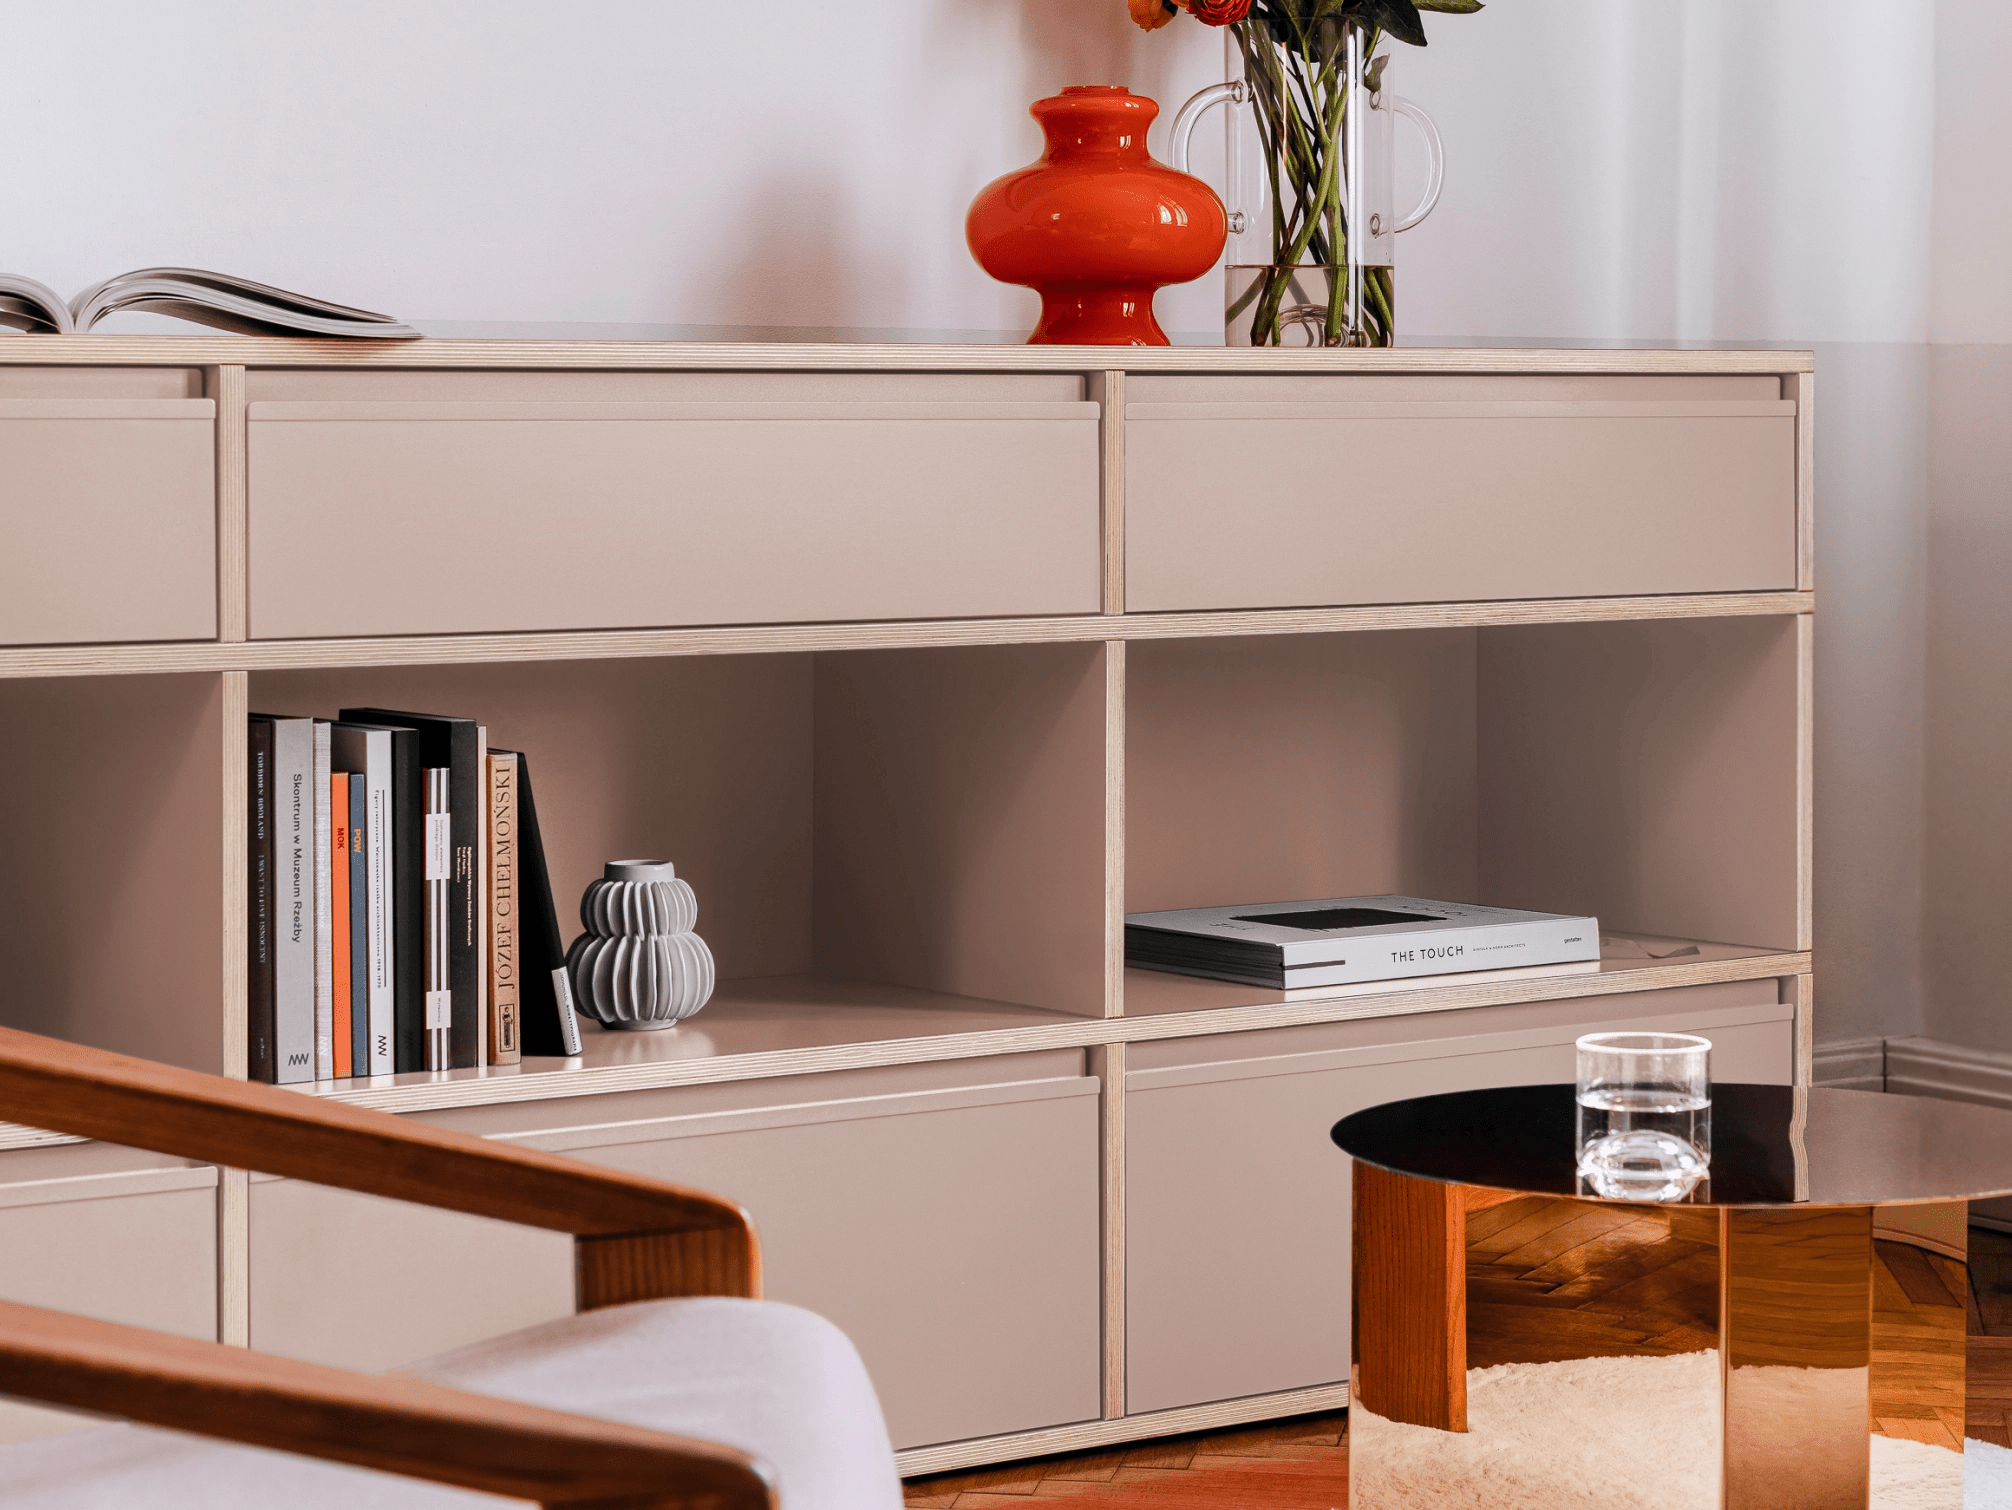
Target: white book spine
[379,908]
[439,872]
[324,910]
[1553,941]
[293,956]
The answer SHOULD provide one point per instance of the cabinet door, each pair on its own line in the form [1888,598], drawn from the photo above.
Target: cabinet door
[1454,492]
[1236,1218]
[111,1233]
[449,516]
[954,1239]
[108,511]
[946,1217]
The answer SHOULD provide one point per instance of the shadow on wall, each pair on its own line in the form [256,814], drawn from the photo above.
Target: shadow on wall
[795,257]
[1066,42]
[805,249]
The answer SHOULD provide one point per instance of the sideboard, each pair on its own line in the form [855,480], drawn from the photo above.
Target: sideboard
[925,664]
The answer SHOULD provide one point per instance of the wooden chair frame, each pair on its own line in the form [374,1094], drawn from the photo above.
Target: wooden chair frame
[633,1239]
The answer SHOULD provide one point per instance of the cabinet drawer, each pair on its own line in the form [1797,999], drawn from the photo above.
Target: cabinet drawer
[108,514]
[107,1232]
[448,516]
[1236,1214]
[945,1216]
[1324,497]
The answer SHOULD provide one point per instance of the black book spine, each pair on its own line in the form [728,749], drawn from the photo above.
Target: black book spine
[408,902]
[466,811]
[260,1026]
[456,744]
[546,1025]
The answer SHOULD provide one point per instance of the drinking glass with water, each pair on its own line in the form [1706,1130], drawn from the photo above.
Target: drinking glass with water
[1645,1114]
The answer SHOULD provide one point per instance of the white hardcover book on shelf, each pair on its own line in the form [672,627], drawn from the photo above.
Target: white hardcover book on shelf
[360,748]
[293,850]
[1340,941]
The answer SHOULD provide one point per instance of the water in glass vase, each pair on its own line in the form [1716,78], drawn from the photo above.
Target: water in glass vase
[1644,1143]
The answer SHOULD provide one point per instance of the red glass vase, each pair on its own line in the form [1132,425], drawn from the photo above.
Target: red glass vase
[1096,226]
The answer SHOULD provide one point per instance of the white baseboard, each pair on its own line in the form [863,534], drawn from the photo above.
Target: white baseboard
[1851,1064]
[1930,1067]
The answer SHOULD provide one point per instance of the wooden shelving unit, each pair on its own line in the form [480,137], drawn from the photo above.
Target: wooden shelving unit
[914,834]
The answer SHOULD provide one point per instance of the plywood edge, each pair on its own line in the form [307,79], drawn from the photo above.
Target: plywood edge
[1801,387]
[765,639]
[1107,1063]
[1805,783]
[235,801]
[226,388]
[270,351]
[1798,992]
[234,1257]
[533,1084]
[1087,1434]
[1108,389]
[1114,828]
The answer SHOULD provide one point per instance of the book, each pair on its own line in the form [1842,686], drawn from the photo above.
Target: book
[452,745]
[478,895]
[294,894]
[259,1061]
[215,299]
[502,872]
[338,913]
[359,925]
[1344,940]
[547,1023]
[394,865]
[439,921]
[324,921]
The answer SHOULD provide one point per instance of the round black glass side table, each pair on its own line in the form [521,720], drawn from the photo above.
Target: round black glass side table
[1817,1202]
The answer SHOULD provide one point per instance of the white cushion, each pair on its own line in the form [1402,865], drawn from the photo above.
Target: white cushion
[772,1380]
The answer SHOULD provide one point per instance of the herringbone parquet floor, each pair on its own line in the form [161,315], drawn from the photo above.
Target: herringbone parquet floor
[1300,1464]
[1550,1280]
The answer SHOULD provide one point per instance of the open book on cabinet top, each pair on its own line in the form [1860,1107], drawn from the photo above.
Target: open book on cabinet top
[216,299]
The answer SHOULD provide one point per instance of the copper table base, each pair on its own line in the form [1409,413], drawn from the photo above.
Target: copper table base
[1825,1209]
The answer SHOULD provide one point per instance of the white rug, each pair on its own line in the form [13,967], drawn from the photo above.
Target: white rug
[1635,1434]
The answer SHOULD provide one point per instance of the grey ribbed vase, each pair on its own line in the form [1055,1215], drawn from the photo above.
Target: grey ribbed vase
[639,965]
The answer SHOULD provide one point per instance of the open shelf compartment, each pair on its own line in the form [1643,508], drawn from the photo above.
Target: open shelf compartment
[1647,773]
[884,844]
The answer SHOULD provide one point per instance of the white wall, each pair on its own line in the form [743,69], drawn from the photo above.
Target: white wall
[1969,691]
[1782,171]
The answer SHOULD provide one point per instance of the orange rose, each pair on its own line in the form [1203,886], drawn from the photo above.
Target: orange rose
[1151,14]
[1218,12]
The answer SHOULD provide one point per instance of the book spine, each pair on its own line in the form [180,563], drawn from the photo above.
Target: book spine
[359,923]
[547,1021]
[405,906]
[484,1038]
[439,919]
[293,950]
[324,918]
[502,975]
[1554,941]
[338,917]
[1428,945]
[466,820]
[259,1061]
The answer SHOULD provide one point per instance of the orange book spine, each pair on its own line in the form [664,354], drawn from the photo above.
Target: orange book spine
[338,882]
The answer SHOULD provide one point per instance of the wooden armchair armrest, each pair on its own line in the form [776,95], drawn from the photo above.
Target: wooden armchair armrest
[385,1422]
[634,1238]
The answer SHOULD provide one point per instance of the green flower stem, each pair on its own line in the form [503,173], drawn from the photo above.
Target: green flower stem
[1299,102]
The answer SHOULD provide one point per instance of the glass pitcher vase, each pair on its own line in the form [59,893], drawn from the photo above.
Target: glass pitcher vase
[1311,183]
